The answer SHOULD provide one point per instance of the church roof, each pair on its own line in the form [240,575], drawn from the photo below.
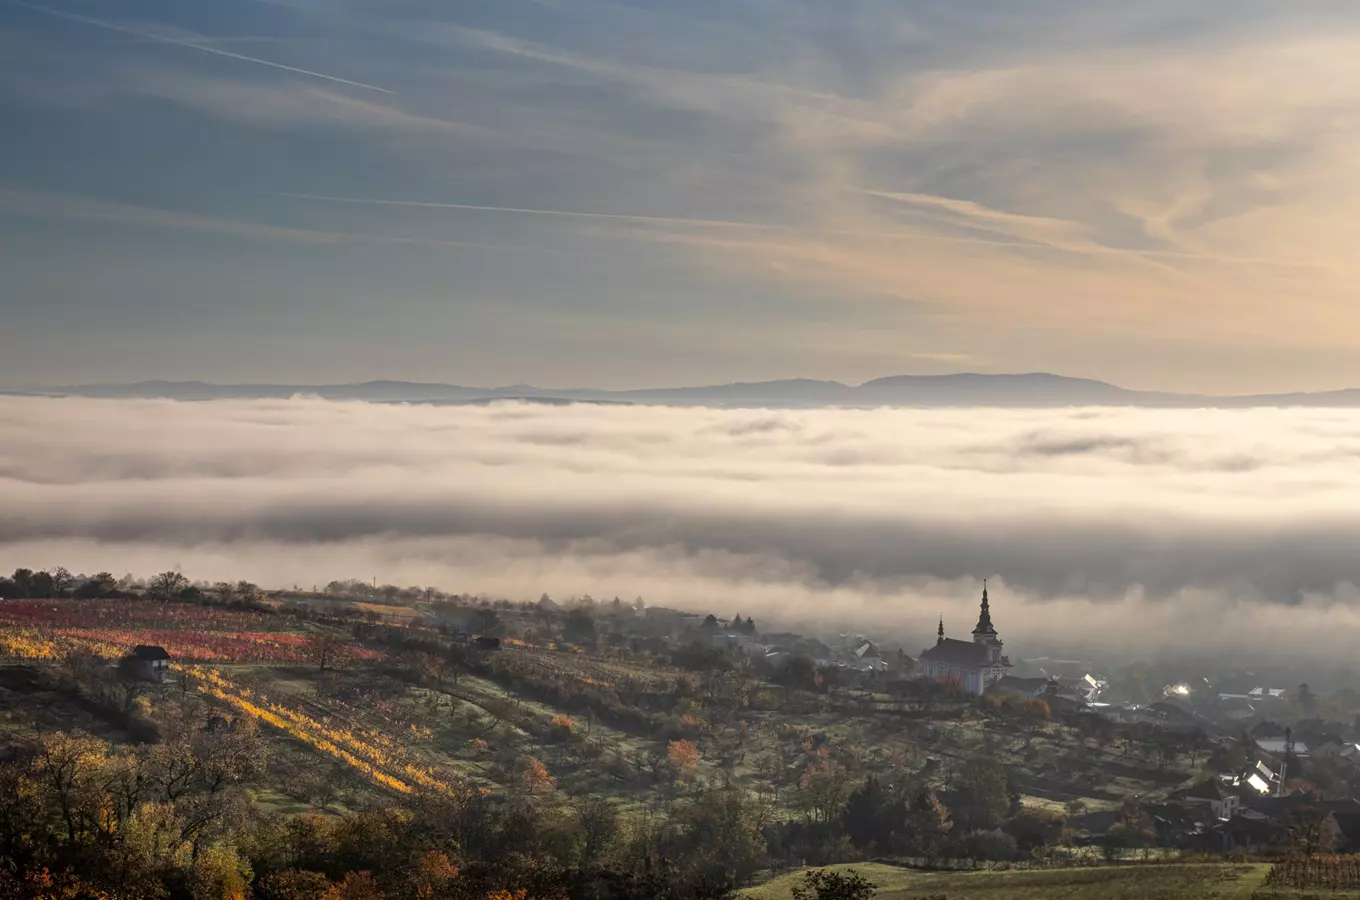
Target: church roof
[956,652]
[984,625]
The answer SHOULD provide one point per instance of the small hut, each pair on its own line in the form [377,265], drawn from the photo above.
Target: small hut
[148,662]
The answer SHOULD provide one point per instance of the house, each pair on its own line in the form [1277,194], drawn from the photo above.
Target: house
[1267,694]
[1262,779]
[1169,716]
[1325,745]
[1247,830]
[1235,707]
[974,665]
[1266,729]
[148,662]
[1277,747]
[1174,825]
[1025,687]
[483,642]
[742,643]
[866,650]
[866,658]
[1221,801]
[1122,713]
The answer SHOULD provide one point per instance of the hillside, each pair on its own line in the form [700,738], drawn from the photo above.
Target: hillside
[1034,390]
[587,740]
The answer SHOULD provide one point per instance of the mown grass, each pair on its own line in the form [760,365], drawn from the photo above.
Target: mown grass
[1145,882]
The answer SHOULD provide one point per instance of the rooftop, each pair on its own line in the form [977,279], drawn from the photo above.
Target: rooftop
[959,653]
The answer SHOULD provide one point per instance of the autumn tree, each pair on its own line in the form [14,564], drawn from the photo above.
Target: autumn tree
[684,756]
[822,790]
[825,884]
[531,778]
[328,649]
[928,822]
[292,884]
[1134,828]
[433,876]
[355,886]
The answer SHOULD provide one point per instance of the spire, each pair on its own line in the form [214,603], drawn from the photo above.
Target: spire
[939,635]
[984,625]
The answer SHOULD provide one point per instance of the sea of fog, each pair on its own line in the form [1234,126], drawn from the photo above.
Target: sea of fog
[1233,530]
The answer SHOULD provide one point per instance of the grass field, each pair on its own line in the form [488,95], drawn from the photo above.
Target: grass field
[1175,882]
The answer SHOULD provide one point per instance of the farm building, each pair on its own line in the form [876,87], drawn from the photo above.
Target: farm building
[148,662]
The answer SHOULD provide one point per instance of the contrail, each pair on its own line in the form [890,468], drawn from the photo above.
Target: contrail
[1017,243]
[162,39]
[570,214]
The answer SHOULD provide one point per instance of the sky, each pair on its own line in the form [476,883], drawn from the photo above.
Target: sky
[611,194]
[1139,532]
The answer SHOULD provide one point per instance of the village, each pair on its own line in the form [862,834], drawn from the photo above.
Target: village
[1275,749]
[368,694]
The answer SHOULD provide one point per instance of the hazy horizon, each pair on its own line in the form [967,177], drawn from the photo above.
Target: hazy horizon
[624,387]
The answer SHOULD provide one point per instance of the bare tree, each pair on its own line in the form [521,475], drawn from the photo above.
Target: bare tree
[61,581]
[167,585]
[328,649]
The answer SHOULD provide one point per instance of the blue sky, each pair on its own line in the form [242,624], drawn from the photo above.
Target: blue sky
[572,192]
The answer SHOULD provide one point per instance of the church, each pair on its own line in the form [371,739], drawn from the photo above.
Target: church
[975,665]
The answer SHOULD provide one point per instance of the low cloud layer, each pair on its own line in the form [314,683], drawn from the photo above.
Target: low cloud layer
[1142,530]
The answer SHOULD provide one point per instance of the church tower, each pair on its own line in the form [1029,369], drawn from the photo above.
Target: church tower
[985,634]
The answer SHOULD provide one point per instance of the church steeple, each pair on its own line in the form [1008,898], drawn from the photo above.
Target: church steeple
[984,625]
[939,635]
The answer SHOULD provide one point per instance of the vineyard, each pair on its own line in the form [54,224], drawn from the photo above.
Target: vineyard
[1325,872]
[49,629]
[375,753]
[595,671]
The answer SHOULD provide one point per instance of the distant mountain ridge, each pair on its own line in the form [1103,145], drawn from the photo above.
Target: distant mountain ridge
[969,389]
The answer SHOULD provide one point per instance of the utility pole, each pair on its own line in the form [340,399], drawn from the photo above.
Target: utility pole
[1288,754]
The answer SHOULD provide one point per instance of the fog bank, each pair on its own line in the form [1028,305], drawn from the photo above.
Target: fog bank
[1105,528]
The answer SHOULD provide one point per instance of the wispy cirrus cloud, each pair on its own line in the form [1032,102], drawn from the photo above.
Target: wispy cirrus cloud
[62,206]
[204,47]
[1071,186]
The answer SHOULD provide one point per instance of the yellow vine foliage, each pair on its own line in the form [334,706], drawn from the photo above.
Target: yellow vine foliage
[377,756]
[27,645]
